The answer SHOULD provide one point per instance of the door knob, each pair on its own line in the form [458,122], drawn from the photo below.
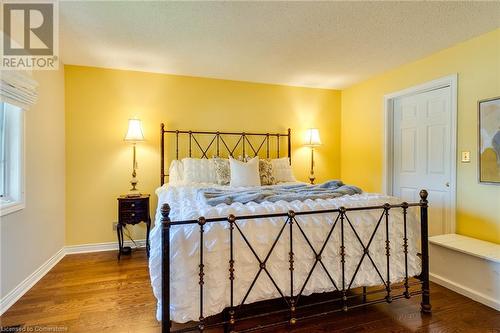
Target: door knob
[447,184]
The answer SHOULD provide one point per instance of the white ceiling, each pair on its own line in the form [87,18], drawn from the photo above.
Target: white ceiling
[313,44]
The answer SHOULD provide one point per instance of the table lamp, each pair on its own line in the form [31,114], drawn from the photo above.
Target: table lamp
[134,135]
[312,140]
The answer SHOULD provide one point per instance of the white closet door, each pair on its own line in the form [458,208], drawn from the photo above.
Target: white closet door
[422,155]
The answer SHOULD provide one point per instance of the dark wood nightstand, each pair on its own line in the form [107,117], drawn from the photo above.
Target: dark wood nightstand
[132,210]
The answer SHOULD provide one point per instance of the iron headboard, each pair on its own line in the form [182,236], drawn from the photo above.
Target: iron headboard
[219,139]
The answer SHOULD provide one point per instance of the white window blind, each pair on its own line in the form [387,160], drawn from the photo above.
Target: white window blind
[18,88]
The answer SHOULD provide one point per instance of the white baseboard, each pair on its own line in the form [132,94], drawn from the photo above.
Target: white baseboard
[456,287]
[100,247]
[14,295]
[22,288]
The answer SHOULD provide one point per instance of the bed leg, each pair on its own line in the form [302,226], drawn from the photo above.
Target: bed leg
[165,269]
[227,325]
[424,229]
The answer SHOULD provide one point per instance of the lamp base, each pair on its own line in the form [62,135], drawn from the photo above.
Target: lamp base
[133,192]
[311,174]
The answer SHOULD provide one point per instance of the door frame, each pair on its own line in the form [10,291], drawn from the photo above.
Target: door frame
[388,107]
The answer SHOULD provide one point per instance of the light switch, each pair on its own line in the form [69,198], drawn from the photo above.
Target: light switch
[465,156]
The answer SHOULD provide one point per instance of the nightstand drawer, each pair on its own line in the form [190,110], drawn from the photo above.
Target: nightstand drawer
[133,217]
[132,205]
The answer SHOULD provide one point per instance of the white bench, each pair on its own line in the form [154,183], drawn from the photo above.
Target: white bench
[468,266]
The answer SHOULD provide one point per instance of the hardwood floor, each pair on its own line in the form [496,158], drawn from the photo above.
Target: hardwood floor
[95,293]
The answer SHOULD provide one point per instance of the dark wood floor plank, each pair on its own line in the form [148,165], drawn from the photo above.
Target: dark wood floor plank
[96,293]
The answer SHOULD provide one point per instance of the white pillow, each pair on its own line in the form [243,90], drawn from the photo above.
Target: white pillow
[175,172]
[282,170]
[198,170]
[244,174]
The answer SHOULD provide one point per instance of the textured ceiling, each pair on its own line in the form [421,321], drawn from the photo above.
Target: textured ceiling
[314,44]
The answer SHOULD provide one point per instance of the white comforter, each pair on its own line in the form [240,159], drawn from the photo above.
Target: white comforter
[184,256]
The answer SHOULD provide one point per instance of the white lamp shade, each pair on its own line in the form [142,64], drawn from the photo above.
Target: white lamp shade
[134,132]
[312,138]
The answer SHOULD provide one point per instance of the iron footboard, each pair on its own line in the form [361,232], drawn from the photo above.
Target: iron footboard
[293,304]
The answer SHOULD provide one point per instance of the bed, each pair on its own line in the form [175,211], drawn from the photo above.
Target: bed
[226,264]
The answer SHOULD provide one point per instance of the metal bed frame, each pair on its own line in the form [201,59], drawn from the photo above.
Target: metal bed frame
[296,307]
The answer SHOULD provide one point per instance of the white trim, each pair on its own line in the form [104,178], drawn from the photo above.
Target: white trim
[467,292]
[11,207]
[452,82]
[15,294]
[100,247]
[7,208]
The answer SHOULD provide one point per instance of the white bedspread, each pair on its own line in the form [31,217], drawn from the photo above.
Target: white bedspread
[184,256]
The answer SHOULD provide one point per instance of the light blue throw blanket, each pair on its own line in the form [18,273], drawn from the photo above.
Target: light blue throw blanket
[290,192]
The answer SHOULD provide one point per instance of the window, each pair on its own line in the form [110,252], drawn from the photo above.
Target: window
[11,158]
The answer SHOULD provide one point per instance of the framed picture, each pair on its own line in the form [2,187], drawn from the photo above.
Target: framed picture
[489,141]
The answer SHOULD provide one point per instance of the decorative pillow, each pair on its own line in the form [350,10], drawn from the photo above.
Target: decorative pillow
[199,170]
[175,172]
[244,174]
[266,172]
[282,170]
[222,170]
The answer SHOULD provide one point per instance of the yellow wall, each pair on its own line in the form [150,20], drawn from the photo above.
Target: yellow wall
[99,102]
[477,62]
